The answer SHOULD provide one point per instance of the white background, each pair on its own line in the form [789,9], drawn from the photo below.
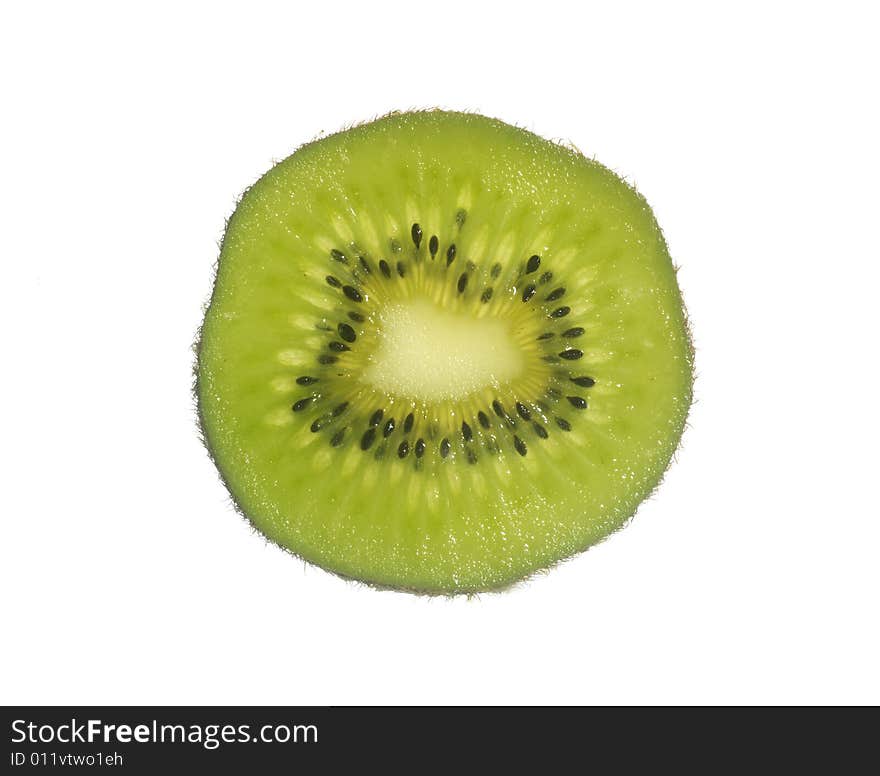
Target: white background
[127,135]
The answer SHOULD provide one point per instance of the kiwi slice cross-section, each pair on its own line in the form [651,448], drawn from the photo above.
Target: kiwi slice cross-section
[442,353]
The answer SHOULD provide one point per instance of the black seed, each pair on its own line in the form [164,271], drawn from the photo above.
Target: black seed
[339,409]
[540,430]
[532,264]
[403,449]
[332,281]
[575,332]
[444,448]
[560,312]
[408,423]
[376,417]
[384,268]
[416,233]
[519,445]
[364,264]
[338,256]
[584,382]
[338,347]
[300,405]
[496,269]
[367,438]
[523,411]
[499,410]
[462,283]
[450,254]
[491,446]
[327,359]
[352,293]
[577,401]
[306,380]
[389,428]
[571,355]
[563,424]
[546,335]
[346,332]
[484,419]
[433,245]
[471,456]
[466,431]
[420,448]
[528,293]
[356,317]
[401,268]
[336,440]
[545,278]
[554,295]
[460,218]
[486,295]
[318,424]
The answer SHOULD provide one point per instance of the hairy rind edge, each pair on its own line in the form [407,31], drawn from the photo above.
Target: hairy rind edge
[419,591]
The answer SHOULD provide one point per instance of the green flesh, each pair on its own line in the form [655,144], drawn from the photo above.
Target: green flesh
[467,508]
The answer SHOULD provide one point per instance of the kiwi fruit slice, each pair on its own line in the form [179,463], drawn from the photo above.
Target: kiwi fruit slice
[442,353]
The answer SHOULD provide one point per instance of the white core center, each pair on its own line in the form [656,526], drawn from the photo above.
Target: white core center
[427,353]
